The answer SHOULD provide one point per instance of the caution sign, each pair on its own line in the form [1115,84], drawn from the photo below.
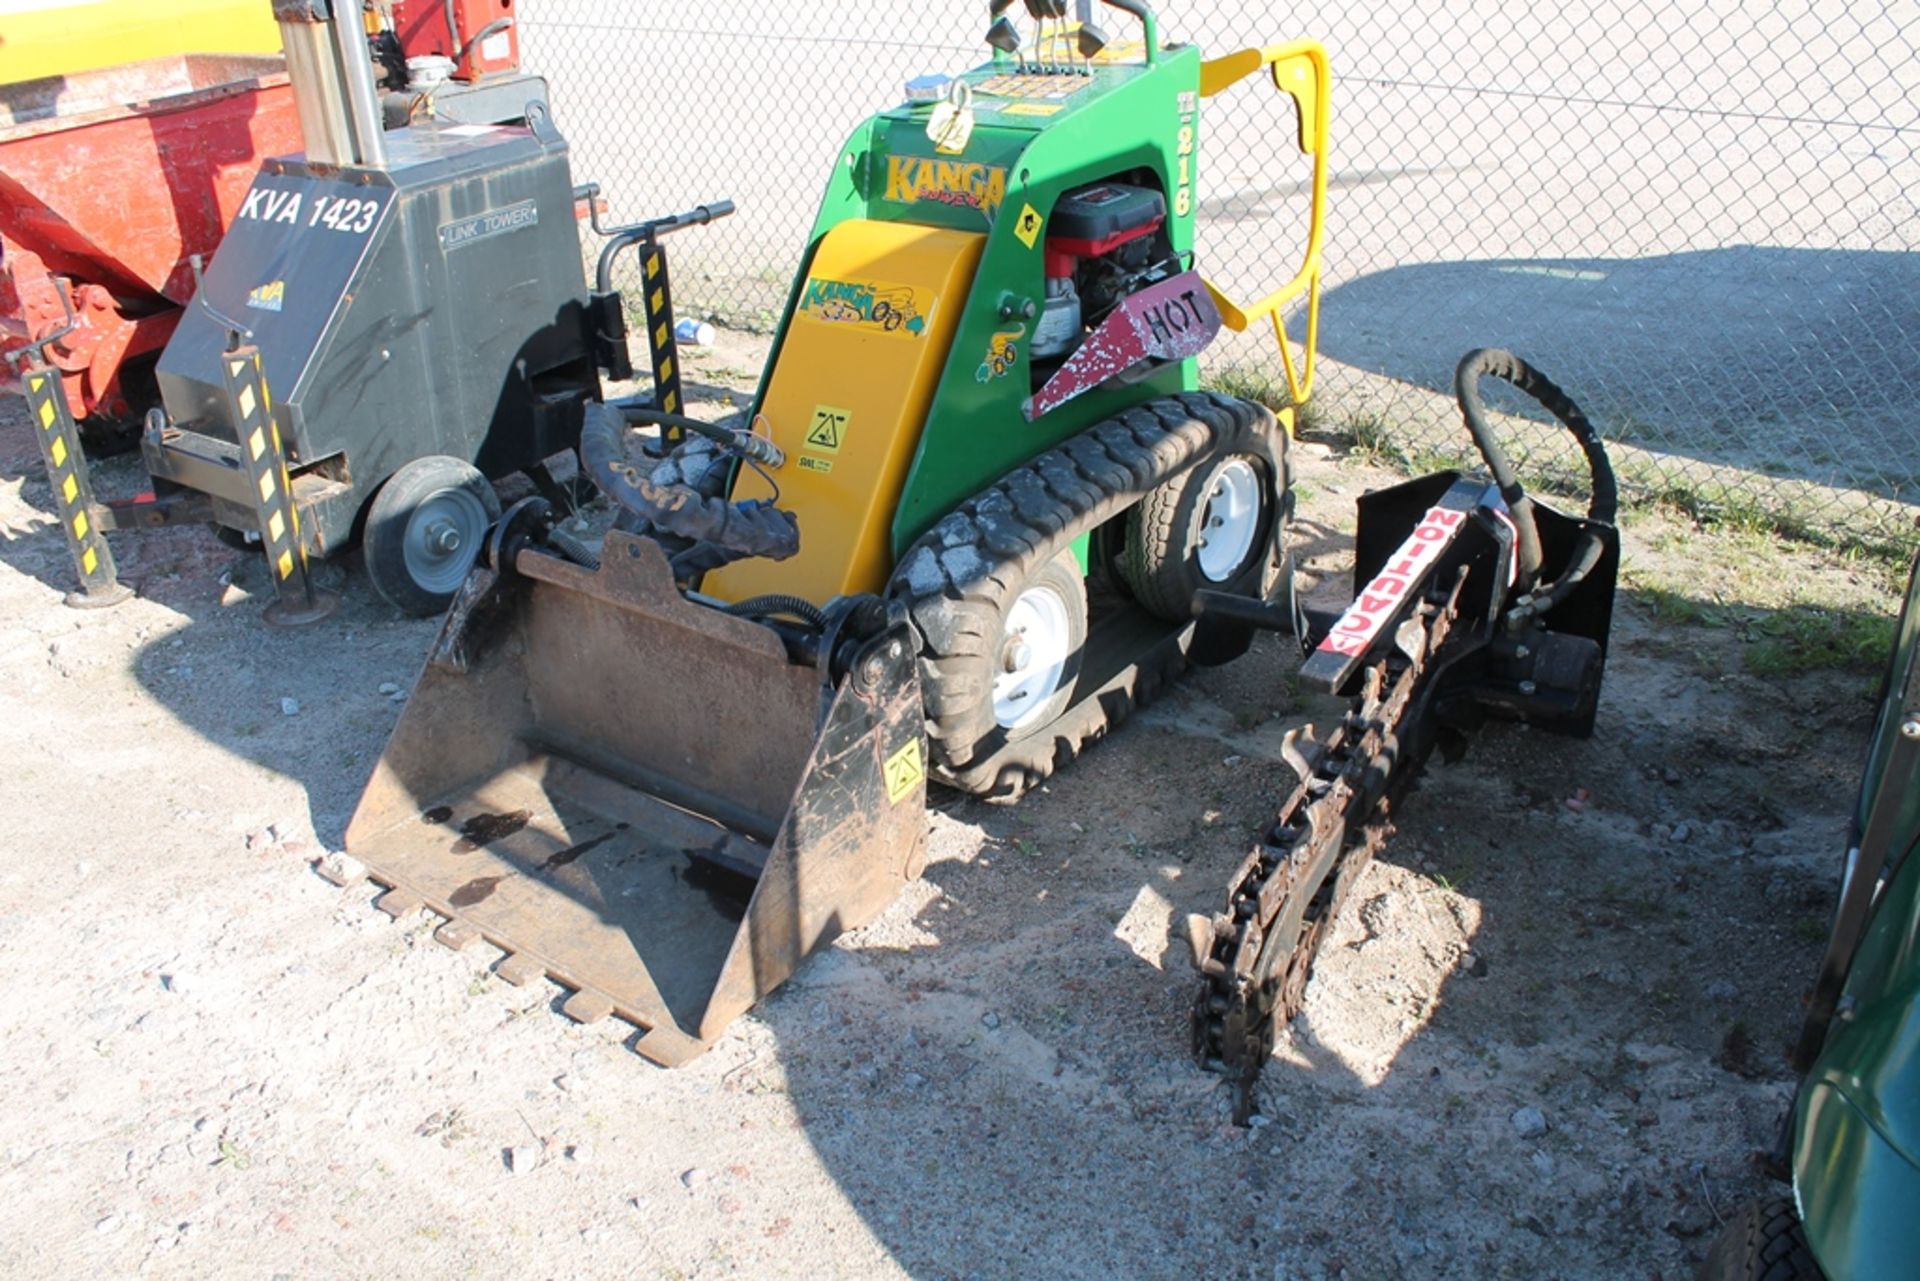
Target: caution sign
[827,430]
[905,771]
[1028,228]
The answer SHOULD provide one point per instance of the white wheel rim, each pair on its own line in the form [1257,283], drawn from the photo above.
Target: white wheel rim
[1032,657]
[1230,521]
[443,536]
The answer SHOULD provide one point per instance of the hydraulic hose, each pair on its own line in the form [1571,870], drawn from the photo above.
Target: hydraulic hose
[573,549]
[762,606]
[758,448]
[748,529]
[1605,502]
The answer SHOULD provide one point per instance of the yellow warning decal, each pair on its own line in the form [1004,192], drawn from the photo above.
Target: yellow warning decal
[1031,109]
[905,771]
[827,429]
[1028,228]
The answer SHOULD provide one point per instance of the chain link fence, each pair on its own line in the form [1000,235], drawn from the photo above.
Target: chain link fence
[1697,216]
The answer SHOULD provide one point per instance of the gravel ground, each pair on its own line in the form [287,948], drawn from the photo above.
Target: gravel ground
[1544,1045]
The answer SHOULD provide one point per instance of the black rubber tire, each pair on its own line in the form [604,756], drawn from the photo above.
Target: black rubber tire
[383,545]
[1062,577]
[1763,1241]
[960,578]
[238,539]
[1160,561]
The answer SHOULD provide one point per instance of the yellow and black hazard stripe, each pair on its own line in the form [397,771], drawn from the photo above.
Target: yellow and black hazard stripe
[661,346]
[59,439]
[265,463]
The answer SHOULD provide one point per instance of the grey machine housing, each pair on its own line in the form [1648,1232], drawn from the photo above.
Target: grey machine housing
[432,305]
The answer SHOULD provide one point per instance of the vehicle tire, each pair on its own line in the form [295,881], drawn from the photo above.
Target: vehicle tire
[1207,528]
[961,579]
[424,529]
[1762,1242]
[241,540]
[1042,639]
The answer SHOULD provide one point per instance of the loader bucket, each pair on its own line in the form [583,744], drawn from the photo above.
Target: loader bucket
[641,797]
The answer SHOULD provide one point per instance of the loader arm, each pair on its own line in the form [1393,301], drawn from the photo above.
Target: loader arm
[1301,71]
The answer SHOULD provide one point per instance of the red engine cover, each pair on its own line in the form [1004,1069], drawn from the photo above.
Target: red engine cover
[421,26]
[1064,253]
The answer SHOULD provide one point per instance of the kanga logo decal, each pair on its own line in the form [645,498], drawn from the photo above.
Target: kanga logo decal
[869,304]
[968,184]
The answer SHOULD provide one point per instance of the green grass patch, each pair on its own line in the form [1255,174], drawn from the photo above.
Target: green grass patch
[1804,638]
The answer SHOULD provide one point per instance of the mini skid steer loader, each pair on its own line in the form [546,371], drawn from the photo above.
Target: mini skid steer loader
[979,512]
[961,539]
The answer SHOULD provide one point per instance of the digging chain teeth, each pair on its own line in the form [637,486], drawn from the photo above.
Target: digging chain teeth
[1257,957]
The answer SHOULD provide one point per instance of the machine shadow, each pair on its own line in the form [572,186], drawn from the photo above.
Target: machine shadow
[1795,362]
[1024,1028]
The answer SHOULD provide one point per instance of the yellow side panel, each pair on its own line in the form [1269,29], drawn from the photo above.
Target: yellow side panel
[65,37]
[849,398]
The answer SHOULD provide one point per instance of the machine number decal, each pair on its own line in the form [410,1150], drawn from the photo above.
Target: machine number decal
[904,771]
[1402,573]
[353,215]
[827,430]
[1028,228]
[820,466]
[869,304]
[494,222]
[1183,178]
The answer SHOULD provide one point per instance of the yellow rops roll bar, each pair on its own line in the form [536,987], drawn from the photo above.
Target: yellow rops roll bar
[1301,71]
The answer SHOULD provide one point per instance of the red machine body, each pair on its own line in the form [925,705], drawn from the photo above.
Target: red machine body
[110,181]
[489,33]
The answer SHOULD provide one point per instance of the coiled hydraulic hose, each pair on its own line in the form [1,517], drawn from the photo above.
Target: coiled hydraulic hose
[1605,502]
[747,529]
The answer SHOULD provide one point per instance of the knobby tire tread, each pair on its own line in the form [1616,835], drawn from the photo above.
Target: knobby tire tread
[959,579]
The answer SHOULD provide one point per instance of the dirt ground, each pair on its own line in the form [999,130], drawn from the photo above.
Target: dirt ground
[221,1065]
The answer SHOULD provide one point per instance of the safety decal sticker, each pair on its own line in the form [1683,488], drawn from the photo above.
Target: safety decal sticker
[1003,352]
[869,304]
[271,296]
[1401,574]
[964,183]
[904,771]
[1028,226]
[1031,109]
[1033,86]
[827,429]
